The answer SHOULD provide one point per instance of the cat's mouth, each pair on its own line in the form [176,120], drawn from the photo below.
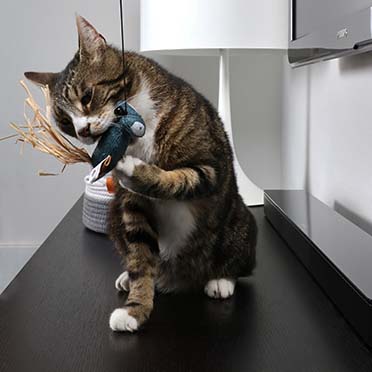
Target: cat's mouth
[89,139]
[91,131]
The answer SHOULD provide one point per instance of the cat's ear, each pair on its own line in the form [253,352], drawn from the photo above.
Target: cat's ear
[42,78]
[91,42]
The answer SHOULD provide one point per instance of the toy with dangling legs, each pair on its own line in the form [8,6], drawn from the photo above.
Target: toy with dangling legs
[113,144]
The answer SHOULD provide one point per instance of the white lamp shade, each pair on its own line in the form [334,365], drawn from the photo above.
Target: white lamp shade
[185,25]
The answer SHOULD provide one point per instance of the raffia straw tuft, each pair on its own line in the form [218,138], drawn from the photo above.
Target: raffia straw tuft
[43,136]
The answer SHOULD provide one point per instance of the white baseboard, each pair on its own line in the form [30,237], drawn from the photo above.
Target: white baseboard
[20,245]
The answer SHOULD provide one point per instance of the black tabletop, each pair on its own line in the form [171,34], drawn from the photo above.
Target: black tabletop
[54,316]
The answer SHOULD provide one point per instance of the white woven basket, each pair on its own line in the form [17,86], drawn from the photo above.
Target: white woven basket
[96,205]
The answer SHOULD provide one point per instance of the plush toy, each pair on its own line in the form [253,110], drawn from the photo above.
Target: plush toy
[114,142]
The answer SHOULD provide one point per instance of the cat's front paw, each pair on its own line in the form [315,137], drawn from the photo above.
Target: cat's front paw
[121,321]
[220,288]
[125,169]
[127,165]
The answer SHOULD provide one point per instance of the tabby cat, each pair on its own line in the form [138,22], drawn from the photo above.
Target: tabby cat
[177,218]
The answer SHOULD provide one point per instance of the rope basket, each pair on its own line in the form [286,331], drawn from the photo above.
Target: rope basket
[96,205]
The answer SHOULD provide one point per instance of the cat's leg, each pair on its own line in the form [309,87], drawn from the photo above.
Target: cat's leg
[180,184]
[141,256]
[117,236]
[220,288]
[238,251]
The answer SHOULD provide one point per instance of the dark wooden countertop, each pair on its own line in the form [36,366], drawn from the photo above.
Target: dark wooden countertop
[54,316]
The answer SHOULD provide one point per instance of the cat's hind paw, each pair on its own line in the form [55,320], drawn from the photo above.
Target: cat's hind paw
[121,321]
[220,288]
[122,282]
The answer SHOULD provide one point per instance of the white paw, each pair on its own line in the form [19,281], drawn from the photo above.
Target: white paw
[220,288]
[127,164]
[122,282]
[120,320]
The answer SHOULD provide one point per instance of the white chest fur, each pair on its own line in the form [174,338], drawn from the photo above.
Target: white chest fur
[175,223]
[174,219]
[143,148]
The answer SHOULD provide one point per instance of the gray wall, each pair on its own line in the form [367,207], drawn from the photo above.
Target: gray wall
[41,35]
[327,131]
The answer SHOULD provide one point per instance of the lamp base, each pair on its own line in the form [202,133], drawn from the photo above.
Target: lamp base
[251,194]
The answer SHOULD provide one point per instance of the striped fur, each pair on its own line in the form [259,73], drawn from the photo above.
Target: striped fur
[177,219]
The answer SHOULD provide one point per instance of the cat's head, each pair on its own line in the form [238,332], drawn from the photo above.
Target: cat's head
[85,93]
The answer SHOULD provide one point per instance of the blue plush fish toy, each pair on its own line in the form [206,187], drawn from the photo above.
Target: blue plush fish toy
[113,144]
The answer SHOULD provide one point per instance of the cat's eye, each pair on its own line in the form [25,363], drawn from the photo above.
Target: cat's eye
[87,97]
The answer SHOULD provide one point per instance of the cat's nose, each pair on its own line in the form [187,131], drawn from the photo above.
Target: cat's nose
[85,132]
